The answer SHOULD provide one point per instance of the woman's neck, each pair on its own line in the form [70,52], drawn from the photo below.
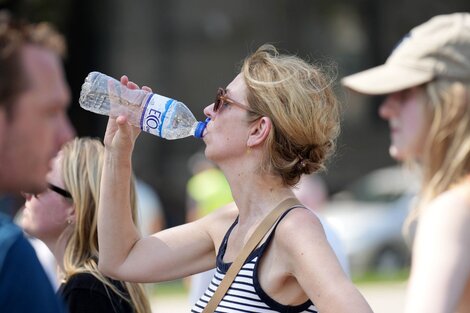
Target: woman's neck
[255,192]
[256,195]
[57,246]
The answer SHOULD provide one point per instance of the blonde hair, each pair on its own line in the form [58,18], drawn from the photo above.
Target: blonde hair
[82,162]
[446,154]
[298,98]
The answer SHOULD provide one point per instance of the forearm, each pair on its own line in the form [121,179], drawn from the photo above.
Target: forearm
[116,229]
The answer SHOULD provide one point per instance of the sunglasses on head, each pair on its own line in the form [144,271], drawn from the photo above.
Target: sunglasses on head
[222,98]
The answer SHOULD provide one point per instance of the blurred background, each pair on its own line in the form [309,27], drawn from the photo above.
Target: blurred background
[187,49]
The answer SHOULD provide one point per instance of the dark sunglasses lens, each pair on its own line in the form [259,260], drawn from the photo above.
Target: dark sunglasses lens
[218,101]
[60,191]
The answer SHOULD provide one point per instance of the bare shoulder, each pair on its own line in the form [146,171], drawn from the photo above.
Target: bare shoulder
[303,247]
[449,213]
[298,224]
[453,204]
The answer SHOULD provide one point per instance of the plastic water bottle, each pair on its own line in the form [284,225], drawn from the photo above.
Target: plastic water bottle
[153,113]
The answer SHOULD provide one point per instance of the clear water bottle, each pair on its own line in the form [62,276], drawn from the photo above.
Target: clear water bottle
[153,113]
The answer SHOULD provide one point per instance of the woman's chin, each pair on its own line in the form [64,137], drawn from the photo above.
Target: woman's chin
[396,153]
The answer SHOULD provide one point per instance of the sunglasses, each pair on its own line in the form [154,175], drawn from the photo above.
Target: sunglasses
[64,193]
[222,98]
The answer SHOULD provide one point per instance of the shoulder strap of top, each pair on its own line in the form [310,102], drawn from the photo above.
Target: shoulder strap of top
[271,234]
[223,245]
[260,232]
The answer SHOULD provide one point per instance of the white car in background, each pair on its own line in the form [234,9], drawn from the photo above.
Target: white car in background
[368,217]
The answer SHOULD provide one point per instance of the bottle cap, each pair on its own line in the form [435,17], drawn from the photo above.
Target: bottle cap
[200,128]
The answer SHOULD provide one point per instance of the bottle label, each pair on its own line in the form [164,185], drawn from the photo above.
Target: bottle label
[154,114]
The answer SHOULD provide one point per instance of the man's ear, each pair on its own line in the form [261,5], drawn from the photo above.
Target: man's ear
[259,131]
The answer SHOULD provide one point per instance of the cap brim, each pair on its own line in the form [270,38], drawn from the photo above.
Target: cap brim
[386,79]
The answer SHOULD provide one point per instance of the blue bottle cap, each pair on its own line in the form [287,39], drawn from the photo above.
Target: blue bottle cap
[200,128]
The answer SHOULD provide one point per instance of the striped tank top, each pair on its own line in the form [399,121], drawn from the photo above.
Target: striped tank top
[245,295]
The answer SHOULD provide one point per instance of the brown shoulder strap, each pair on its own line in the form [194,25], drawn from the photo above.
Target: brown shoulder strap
[251,244]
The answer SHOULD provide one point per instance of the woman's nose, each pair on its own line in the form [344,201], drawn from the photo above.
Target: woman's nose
[26,196]
[388,107]
[209,110]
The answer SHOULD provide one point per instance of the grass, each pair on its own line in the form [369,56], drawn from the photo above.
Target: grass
[177,287]
[375,277]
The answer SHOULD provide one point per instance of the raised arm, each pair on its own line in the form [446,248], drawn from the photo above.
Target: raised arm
[117,232]
[123,254]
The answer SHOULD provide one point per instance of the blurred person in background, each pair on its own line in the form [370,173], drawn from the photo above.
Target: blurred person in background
[207,190]
[151,218]
[64,217]
[313,193]
[277,120]
[34,97]
[426,81]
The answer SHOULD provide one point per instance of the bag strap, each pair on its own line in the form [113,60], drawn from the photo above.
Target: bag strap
[251,244]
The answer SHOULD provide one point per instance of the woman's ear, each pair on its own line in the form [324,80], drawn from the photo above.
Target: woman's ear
[259,131]
[71,216]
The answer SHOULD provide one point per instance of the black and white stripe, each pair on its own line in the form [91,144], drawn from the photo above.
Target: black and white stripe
[242,296]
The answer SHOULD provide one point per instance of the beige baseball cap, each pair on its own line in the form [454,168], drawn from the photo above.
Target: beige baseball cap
[439,48]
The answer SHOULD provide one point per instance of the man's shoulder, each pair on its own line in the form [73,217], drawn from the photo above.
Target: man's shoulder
[24,286]
[17,256]
[9,235]
[7,226]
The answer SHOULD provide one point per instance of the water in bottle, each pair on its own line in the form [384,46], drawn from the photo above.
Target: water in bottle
[153,113]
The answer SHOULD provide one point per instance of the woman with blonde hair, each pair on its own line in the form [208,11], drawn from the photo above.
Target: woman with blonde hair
[65,218]
[277,120]
[427,83]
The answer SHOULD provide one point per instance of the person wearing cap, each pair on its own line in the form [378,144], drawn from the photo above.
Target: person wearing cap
[426,81]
